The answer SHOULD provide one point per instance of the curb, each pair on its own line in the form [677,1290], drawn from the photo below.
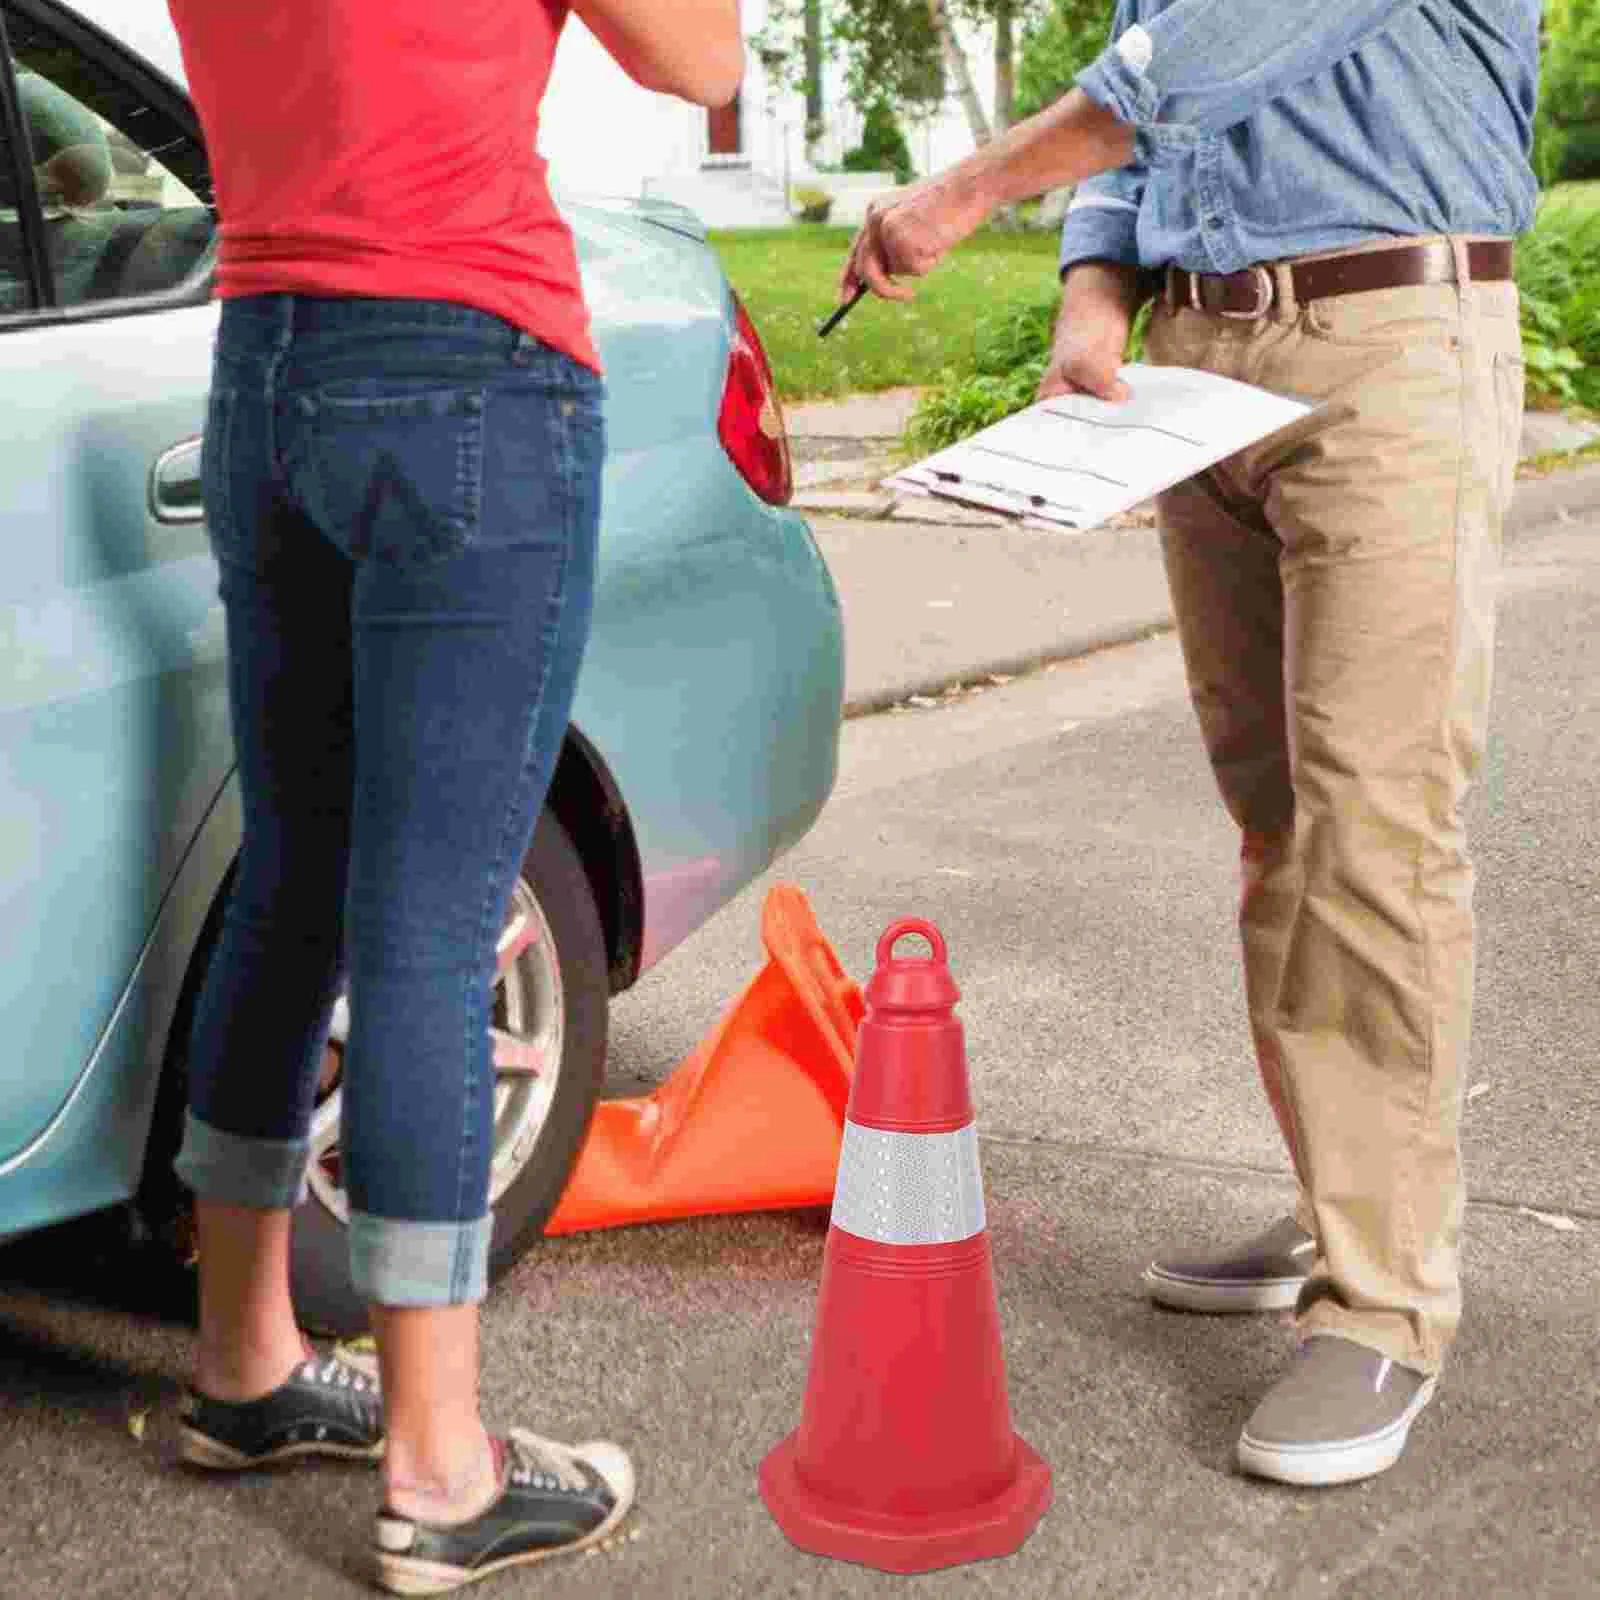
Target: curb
[1568,496]
[1087,643]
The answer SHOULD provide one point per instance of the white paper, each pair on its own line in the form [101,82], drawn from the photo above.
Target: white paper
[1073,461]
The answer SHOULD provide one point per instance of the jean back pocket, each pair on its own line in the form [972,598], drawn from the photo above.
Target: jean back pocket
[391,472]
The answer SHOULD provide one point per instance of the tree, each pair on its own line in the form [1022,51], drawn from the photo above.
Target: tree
[1056,48]
[906,54]
[813,73]
[793,48]
[1569,92]
[955,60]
[883,146]
[891,53]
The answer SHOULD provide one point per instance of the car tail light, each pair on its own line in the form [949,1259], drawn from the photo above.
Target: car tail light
[751,424]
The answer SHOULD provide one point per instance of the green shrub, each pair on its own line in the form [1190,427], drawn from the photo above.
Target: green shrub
[812,205]
[1579,153]
[1056,46]
[883,147]
[1557,274]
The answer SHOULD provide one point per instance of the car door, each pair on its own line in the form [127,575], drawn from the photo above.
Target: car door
[113,731]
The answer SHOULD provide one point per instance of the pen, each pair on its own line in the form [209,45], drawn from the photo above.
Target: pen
[841,312]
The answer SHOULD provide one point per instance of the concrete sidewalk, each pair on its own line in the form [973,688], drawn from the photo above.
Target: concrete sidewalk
[936,597]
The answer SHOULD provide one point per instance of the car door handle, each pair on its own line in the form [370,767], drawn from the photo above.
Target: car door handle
[175,484]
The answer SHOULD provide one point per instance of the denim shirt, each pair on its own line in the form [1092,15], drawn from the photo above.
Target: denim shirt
[1273,128]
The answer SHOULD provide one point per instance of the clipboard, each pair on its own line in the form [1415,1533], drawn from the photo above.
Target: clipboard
[1072,462]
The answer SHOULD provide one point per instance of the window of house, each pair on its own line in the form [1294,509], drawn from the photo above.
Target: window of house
[724,129]
[122,187]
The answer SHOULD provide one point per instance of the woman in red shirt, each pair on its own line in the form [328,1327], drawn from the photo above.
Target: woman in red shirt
[402,479]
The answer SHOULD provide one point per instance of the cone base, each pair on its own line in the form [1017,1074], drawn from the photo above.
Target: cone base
[892,1543]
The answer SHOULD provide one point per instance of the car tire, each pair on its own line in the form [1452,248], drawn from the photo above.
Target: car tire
[531,1182]
[571,976]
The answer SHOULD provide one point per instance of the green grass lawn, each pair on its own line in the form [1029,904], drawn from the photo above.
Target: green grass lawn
[1586,195]
[788,278]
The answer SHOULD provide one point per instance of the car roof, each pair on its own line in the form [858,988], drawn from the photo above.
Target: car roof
[145,26]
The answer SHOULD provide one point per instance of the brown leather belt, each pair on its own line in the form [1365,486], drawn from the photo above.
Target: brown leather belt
[1250,293]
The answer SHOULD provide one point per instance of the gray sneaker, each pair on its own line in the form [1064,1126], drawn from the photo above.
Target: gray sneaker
[1341,1412]
[1265,1273]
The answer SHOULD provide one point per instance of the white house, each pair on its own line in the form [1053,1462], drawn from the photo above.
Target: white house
[736,166]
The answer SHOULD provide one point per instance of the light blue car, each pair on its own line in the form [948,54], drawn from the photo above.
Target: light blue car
[704,737]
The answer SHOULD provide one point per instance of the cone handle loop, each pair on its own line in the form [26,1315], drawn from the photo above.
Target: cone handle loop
[895,933]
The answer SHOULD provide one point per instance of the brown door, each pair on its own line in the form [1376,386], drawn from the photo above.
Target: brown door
[722,124]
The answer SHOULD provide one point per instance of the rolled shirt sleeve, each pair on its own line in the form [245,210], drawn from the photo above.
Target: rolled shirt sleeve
[1102,222]
[1203,65]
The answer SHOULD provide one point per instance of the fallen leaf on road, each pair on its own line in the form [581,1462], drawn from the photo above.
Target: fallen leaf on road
[1476,1090]
[136,1422]
[1550,1219]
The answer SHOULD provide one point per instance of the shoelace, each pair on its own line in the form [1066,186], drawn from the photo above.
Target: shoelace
[334,1374]
[536,1463]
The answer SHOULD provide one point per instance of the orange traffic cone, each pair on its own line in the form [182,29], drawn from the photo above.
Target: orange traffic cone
[905,1458]
[752,1120]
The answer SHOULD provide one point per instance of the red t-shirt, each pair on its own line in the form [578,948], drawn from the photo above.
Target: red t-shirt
[386,148]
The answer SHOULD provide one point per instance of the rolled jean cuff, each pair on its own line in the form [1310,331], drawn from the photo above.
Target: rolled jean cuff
[398,1263]
[230,1169]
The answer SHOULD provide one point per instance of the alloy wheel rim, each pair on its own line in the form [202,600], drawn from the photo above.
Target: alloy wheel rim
[526,1042]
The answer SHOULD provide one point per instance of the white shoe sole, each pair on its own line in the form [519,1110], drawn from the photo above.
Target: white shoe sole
[402,1574]
[1344,1461]
[200,1450]
[1222,1295]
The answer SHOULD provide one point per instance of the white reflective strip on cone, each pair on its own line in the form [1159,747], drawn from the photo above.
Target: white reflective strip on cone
[909,1188]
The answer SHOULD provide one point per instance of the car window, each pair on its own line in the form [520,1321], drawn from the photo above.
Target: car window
[122,187]
[15,290]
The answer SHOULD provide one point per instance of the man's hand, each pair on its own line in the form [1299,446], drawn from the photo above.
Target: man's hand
[907,234]
[1097,309]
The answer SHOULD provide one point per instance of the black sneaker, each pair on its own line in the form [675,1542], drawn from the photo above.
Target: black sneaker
[553,1500]
[324,1408]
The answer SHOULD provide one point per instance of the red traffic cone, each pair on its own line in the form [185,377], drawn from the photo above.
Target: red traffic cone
[905,1458]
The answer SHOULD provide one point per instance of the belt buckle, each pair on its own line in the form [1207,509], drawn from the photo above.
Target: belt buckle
[1263,282]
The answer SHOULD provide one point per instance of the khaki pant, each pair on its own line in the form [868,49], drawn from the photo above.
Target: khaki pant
[1334,590]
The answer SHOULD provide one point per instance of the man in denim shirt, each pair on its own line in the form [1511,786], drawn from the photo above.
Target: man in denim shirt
[1320,198]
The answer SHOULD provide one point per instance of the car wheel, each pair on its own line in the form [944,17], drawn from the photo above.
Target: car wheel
[549,1040]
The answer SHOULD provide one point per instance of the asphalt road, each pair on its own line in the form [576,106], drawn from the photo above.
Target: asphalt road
[1062,831]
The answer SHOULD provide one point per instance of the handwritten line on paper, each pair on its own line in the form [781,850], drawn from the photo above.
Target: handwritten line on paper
[1118,427]
[1049,466]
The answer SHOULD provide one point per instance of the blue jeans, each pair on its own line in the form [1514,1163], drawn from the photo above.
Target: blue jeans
[403,498]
